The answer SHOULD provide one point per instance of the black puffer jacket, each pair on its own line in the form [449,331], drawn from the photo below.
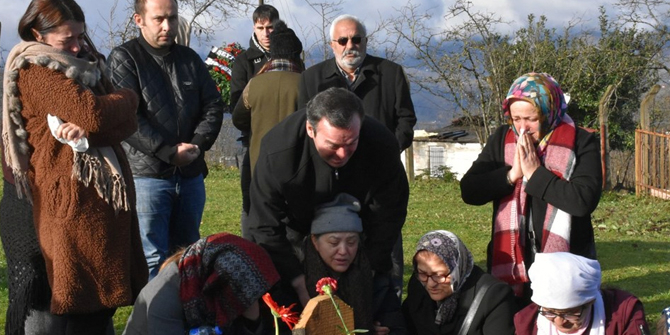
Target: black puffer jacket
[179,103]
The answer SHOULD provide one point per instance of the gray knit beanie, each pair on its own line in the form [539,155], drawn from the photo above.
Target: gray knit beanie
[338,215]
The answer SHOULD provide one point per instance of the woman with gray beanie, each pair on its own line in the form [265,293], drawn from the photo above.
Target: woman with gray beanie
[333,250]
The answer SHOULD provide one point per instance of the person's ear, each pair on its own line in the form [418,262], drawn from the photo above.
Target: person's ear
[313,238]
[310,130]
[37,35]
[139,22]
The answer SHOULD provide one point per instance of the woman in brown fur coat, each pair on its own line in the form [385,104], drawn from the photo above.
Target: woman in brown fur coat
[83,198]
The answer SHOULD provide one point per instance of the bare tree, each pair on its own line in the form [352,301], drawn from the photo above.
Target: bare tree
[470,65]
[652,14]
[119,28]
[450,63]
[202,17]
[207,16]
[649,14]
[319,49]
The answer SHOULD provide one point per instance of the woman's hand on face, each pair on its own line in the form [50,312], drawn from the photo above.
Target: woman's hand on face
[381,330]
[70,132]
[515,173]
[529,162]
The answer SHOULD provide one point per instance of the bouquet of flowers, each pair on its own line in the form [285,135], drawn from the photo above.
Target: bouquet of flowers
[220,62]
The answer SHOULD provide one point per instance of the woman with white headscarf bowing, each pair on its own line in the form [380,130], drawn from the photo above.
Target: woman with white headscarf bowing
[448,294]
[567,299]
[543,175]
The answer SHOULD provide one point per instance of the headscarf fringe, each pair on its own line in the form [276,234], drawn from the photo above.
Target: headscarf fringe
[111,187]
[87,167]
[22,186]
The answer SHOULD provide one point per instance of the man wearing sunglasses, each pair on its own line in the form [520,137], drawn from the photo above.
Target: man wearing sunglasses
[380,83]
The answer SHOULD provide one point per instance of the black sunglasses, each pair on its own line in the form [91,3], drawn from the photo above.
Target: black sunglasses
[343,40]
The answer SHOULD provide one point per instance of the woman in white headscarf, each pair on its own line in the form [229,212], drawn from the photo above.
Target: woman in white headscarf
[441,293]
[567,299]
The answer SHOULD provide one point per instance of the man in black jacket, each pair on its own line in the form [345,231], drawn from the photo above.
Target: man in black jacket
[306,160]
[179,117]
[246,66]
[380,83]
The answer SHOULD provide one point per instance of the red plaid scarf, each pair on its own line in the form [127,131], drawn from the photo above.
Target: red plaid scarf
[221,276]
[558,156]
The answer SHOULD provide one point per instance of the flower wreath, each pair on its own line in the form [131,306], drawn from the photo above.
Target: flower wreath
[220,63]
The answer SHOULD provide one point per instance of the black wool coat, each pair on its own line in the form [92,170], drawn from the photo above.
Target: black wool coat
[381,84]
[486,181]
[495,315]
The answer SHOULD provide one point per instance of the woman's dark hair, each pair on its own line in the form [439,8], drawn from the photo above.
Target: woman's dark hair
[45,15]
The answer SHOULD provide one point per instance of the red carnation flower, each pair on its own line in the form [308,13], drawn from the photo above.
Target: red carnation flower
[326,284]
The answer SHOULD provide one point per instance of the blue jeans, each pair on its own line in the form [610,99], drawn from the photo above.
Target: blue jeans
[170,212]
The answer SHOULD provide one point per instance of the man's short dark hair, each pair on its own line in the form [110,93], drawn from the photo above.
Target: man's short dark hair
[141,5]
[337,105]
[265,12]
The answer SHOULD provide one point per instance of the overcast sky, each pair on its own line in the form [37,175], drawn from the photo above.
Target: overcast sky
[302,18]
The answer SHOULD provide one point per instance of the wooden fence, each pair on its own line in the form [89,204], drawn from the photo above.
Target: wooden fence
[652,164]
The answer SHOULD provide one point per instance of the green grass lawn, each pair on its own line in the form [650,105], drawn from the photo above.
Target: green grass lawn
[632,234]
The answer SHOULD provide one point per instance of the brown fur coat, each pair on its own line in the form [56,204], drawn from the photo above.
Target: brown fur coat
[94,256]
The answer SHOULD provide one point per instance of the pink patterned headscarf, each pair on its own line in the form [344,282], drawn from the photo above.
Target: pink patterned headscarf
[544,92]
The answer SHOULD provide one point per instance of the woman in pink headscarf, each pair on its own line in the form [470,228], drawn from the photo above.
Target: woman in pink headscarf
[542,174]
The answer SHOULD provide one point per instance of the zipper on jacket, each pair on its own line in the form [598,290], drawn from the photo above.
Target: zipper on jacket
[166,69]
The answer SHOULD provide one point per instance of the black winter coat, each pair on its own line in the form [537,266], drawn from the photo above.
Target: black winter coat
[494,316]
[291,179]
[246,66]
[486,181]
[179,103]
[381,84]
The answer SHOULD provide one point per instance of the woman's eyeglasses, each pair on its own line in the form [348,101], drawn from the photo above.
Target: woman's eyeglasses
[344,40]
[571,317]
[422,276]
